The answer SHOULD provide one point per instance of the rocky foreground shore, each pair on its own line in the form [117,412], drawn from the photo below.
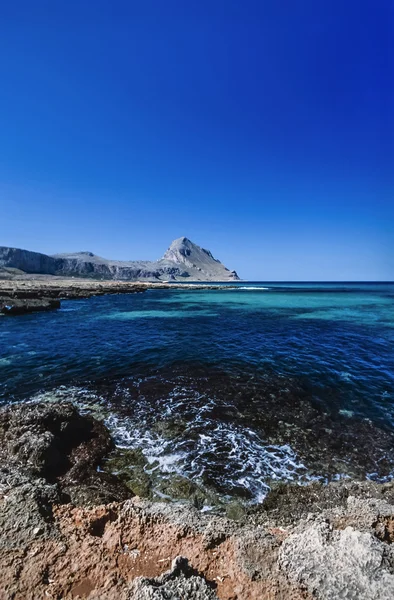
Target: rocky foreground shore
[42,293]
[70,530]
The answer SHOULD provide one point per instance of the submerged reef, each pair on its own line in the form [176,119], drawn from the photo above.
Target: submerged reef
[232,435]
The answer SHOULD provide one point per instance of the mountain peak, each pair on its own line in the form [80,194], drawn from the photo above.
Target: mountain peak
[182,241]
[183,251]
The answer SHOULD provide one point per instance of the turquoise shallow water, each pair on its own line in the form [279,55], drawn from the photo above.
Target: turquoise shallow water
[336,340]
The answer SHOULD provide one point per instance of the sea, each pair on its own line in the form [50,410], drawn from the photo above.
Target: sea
[236,390]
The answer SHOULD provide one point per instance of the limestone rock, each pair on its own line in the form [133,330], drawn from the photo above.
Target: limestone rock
[344,564]
[179,583]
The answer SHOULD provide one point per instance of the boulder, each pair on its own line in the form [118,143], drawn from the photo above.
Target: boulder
[54,442]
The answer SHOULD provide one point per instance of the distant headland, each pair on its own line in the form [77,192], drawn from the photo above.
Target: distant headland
[183,261]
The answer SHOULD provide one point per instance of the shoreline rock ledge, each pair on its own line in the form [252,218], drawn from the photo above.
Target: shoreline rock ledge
[68,530]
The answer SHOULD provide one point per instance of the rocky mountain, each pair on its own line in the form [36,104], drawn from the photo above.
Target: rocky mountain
[183,261]
[198,262]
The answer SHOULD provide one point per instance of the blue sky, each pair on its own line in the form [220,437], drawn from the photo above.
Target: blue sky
[263,131]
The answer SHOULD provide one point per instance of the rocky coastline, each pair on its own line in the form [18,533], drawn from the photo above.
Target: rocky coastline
[26,294]
[70,529]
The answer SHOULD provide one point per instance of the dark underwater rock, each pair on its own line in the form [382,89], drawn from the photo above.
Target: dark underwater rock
[271,411]
[129,466]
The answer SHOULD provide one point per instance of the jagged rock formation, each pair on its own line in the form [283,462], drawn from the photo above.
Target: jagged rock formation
[55,443]
[181,581]
[182,261]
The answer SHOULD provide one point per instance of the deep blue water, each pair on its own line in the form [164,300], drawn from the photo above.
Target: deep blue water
[336,339]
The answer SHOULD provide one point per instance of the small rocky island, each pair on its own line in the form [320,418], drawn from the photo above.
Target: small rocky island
[70,529]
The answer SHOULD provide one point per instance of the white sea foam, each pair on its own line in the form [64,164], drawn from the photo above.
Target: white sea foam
[224,455]
[220,455]
[251,288]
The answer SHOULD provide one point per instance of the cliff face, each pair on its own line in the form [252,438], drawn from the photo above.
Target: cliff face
[182,261]
[86,264]
[29,262]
